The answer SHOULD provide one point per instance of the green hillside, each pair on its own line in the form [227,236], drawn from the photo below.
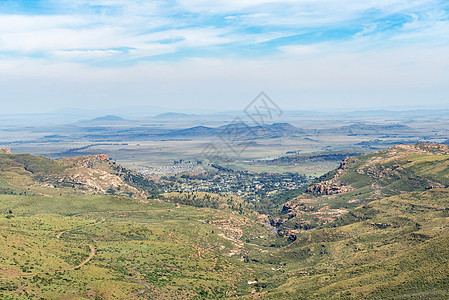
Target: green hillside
[86,228]
[64,234]
[150,248]
[383,236]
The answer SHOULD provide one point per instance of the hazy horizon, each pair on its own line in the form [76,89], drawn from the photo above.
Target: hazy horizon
[150,111]
[219,55]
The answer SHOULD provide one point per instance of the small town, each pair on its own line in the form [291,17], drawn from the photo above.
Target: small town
[249,186]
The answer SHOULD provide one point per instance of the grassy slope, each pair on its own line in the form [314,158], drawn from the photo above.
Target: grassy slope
[156,249]
[397,170]
[394,171]
[416,273]
[396,247]
[144,248]
[27,174]
[390,244]
[393,247]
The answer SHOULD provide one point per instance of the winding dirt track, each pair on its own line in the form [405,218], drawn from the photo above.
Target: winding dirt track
[92,254]
[19,187]
[92,249]
[58,236]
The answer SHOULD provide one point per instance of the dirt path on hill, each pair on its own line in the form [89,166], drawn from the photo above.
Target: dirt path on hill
[18,239]
[124,211]
[92,254]
[58,236]
[92,249]
[16,186]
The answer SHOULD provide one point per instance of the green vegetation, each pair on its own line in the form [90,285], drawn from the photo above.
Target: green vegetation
[392,248]
[142,247]
[86,228]
[151,248]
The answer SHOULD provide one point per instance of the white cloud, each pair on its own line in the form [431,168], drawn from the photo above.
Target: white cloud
[297,50]
[56,58]
[72,37]
[147,27]
[310,9]
[24,23]
[328,74]
[87,54]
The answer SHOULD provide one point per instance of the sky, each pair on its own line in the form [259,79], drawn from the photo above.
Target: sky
[202,55]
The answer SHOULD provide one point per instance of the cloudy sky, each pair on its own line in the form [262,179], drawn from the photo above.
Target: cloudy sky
[218,55]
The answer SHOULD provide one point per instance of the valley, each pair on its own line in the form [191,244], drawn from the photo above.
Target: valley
[86,227]
[152,144]
[116,208]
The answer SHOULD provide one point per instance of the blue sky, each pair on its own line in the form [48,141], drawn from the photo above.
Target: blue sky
[216,55]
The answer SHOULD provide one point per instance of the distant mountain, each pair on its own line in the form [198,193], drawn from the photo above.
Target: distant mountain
[173,115]
[196,131]
[370,129]
[240,130]
[129,111]
[282,128]
[107,118]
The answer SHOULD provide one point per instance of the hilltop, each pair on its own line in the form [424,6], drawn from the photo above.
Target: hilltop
[92,174]
[392,171]
[107,119]
[372,129]
[240,130]
[5,150]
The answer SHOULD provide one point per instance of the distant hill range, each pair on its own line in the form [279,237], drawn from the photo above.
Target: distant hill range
[172,115]
[237,131]
[369,129]
[240,130]
[286,129]
[107,119]
[112,128]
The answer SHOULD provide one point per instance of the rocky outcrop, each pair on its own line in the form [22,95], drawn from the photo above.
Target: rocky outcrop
[5,151]
[329,188]
[421,148]
[334,185]
[88,161]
